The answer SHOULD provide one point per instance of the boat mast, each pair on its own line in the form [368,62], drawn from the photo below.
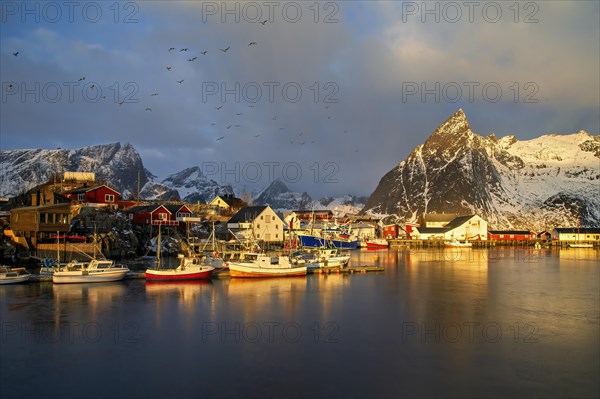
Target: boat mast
[158,248]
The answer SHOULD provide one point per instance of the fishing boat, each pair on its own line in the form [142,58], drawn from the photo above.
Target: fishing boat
[376,243]
[457,244]
[580,245]
[12,276]
[263,265]
[189,268]
[328,258]
[94,271]
[333,240]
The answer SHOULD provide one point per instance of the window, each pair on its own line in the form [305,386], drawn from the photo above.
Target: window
[273,218]
[258,226]
[81,197]
[109,198]
[261,217]
[42,218]
[267,220]
[162,216]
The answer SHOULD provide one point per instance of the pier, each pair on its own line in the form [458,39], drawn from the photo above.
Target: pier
[491,243]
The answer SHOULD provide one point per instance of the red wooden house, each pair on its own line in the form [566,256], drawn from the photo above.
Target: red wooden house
[97,195]
[511,235]
[391,231]
[149,214]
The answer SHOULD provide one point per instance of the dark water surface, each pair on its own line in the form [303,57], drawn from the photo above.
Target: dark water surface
[459,323]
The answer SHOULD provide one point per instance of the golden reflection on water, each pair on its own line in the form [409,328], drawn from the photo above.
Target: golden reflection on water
[85,300]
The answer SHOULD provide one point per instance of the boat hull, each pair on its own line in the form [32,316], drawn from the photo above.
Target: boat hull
[318,242]
[14,279]
[375,245]
[178,275]
[581,246]
[248,271]
[96,276]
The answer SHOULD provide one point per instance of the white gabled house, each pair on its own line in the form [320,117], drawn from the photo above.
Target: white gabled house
[262,221]
[470,227]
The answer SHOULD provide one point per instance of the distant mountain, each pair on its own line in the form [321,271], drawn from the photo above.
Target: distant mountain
[193,186]
[280,198]
[115,164]
[543,182]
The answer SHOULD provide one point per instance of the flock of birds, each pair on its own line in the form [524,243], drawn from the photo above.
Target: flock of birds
[275,127]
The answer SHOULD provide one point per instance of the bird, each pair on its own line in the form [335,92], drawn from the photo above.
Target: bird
[192,59]
[219,107]
[329,117]
[180,81]
[256,135]
[229,127]
[212,124]
[149,109]
[302,142]
[172,48]
[203,52]
[221,138]
[103,97]
[9,87]
[239,113]
[15,54]
[345,131]
[92,87]
[169,68]
[281,128]
[82,78]
[121,103]
[184,49]
[263,22]
[153,94]
[225,49]
[252,44]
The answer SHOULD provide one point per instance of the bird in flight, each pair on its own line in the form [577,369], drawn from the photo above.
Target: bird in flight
[263,22]
[169,68]
[203,52]
[252,44]
[92,87]
[82,78]
[229,127]
[9,87]
[180,81]
[172,48]
[225,49]
[121,103]
[219,107]
[192,59]
[154,94]
[149,109]
[184,49]
[239,113]
[221,138]
[15,54]
[212,124]
[256,135]
[281,128]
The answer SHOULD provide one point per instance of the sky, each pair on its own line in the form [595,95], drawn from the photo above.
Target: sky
[326,96]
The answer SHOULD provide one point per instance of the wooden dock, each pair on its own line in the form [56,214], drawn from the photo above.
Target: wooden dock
[490,243]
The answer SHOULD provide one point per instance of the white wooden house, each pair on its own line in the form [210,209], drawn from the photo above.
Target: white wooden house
[260,221]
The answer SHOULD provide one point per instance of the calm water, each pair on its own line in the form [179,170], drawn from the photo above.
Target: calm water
[460,323]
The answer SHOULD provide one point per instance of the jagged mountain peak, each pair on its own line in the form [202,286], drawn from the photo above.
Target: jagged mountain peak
[511,183]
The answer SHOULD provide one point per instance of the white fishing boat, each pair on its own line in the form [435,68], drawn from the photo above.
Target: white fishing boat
[262,265]
[12,276]
[328,258]
[94,271]
[581,245]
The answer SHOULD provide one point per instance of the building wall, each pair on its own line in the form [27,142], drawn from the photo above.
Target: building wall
[268,226]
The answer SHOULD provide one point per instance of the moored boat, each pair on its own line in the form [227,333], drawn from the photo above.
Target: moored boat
[262,265]
[328,258]
[94,271]
[190,268]
[334,241]
[12,276]
[376,243]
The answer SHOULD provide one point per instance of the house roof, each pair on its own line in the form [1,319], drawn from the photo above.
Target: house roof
[439,217]
[146,208]
[527,232]
[456,222]
[174,208]
[88,189]
[247,214]
[230,200]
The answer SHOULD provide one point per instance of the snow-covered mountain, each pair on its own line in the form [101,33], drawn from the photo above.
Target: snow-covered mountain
[538,183]
[280,198]
[116,164]
[193,186]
